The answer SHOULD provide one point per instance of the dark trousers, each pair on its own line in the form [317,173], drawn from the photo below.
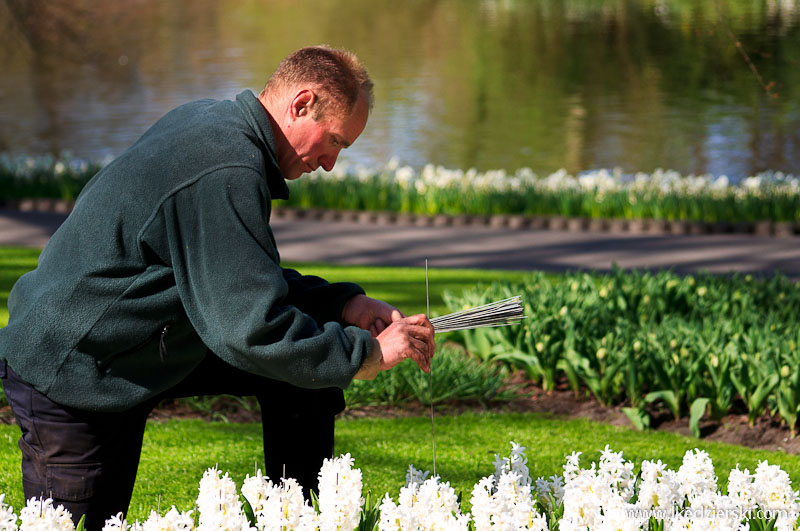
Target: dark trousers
[87,460]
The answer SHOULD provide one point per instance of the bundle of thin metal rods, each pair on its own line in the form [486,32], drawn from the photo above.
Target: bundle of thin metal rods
[501,313]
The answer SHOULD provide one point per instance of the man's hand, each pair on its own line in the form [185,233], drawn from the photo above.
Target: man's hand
[409,337]
[370,314]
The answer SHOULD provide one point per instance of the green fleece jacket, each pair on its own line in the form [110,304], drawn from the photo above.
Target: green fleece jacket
[167,255]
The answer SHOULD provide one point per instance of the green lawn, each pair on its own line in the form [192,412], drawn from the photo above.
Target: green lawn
[14,262]
[177,452]
[404,287]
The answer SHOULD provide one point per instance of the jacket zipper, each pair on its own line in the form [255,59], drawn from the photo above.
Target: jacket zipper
[162,347]
[162,344]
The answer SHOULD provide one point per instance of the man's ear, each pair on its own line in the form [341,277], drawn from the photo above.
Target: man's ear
[302,103]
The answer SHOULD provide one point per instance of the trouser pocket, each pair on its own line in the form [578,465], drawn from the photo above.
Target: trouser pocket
[72,482]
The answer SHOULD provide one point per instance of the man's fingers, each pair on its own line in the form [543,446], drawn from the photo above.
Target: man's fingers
[397,315]
[423,334]
[409,337]
[422,352]
[421,360]
[419,318]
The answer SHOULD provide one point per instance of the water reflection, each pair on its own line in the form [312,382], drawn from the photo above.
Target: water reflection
[578,84]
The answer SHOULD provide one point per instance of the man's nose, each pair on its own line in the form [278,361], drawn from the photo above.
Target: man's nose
[327,162]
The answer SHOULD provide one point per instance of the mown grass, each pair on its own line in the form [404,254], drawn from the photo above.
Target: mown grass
[176,452]
[404,287]
[14,262]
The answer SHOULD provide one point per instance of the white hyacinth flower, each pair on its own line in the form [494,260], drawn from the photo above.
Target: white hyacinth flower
[506,505]
[621,516]
[696,474]
[617,473]
[550,490]
[517,462]
[659,490]
[174,520]
[572,467]
[278,506]
[256,490]
[423,506]
[483,505]
[218,503]
[340,498]
[416,477]
[41,515]
[772,491]
[740,489]
[116,523]
[712,511]
[597,498]
[584,498]
[8,520]
[504,500]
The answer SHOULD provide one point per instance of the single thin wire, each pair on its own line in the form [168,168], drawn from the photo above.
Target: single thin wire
[430,372]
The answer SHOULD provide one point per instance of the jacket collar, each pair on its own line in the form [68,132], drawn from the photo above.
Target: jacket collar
[258,120]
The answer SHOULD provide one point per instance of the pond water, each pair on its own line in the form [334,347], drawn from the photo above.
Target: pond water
[695,86]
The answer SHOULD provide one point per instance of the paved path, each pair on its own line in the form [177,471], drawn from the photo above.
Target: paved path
[482,247]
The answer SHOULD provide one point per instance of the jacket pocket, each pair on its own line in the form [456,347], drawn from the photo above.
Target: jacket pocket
[157,338]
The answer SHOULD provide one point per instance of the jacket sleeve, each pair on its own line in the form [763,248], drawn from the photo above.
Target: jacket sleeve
[236,295]
[321,300]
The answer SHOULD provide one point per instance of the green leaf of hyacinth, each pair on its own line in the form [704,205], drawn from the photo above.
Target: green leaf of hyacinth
[667,396]
[760,395]
[247,509]
[314,500]
[640,419]
[696,413]
[370,514]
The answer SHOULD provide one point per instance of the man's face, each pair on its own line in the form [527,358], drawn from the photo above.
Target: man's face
[313,143]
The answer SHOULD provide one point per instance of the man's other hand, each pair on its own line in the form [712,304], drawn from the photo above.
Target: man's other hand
[409,337]
[370,314]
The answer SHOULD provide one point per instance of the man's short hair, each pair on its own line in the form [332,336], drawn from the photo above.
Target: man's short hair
[337,76]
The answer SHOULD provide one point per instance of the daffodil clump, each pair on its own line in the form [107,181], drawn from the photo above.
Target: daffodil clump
[700,346]
[45,176]
[607,496]
[660,195]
